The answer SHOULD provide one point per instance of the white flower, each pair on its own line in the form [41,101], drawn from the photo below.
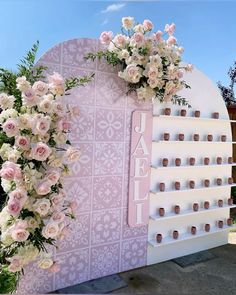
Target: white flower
[5,150]
[127,22]
[42,206]
[51,230]
[10,113]
[46,106]
[139,28]
[6,101]
[24,121]
[145,93]
[6,185]
[22,84]
[73,154]
[4,217]
[59,137]
[40,88]
[41,125]
[45,263]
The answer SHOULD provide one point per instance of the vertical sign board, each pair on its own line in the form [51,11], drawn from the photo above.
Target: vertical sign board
[140,168]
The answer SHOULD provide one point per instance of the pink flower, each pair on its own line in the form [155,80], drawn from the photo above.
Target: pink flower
[63,125]
[22,142]
[64,232]
[137,39]
[180,73]
[51,230]
[10,171]
[171,40]
[19,195]
[58,216]
[40,151]
[40,88]
[158,36]
[20,235]
[59,109]
[75,111]
[53,176]
[73,154]
[56,79]
[148,25]
[105,37]
[15,265]
[41,125]
[29,97]
[170,29]
[73,205]
[120,40]
[189,68]
[20,224]
[10,127]
[43,188]
[56,199]
[54,268]
[14,207]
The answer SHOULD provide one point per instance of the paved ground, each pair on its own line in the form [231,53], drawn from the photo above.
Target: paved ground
[216,276]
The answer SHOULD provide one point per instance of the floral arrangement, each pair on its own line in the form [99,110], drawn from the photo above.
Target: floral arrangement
[150,62]
[35,153]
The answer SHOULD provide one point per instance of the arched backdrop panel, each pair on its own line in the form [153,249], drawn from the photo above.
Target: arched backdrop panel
[101,243]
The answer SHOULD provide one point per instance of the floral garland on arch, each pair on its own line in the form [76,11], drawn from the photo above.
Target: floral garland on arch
[151,63]
[35,152]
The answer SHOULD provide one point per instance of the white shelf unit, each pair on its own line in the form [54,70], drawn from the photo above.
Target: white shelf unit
[193,189]
[193,166]
[192,142]
[189,212]
[186,236]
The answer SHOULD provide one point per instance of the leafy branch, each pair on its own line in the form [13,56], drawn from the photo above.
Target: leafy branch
[77,81]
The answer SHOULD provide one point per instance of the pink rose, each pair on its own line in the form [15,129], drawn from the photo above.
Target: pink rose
[56,79]
[138,38]
[22,142]
[75,111]
[170,28]
[20,224]
[73,205]
[40,88]
[19,195]
[10,127]
[158,36]
[40,151]
[14,207]
[56,199]
[54,268]
[105,37]
[148,25]
[51,230]
[63,125]
[53,176]
[180,74]
[171,40]
[120,40]
[41,125]
[58,217]
[43,188]
[15,265]
[20,235]
[73,154]
[59,109]
[10,171]
[64,233]
[29,97]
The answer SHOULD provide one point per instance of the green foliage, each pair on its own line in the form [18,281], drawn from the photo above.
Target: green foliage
[77,81]
[8,280]
[110,57]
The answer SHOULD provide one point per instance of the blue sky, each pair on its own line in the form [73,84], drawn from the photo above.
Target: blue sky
[206,29]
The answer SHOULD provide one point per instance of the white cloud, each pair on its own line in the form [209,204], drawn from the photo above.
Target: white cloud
[105,22]
[113,7]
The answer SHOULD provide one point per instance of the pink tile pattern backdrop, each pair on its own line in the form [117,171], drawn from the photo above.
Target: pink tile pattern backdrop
[101,242]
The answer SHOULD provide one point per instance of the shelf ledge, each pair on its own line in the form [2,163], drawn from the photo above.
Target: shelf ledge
[195,119]
[193,166]
[188,236]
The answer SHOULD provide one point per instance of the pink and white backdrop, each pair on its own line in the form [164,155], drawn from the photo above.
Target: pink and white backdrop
[101,242]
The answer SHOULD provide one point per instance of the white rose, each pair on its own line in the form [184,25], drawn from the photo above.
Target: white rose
[41,125]
[9,113]
[60,138]
[42,206]
[6,101]
[40,88]
[51,230]
[46,106]
[22,83]
[32,223]
[45,263]
[24,121]
[139,28]
[127,22]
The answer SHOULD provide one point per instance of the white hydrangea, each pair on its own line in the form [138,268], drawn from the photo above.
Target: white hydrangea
[10,113]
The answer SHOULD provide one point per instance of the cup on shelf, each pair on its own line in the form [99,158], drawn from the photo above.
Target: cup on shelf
[196,137]
[229,221]
[166,136]
[230,201]
[165,162]
[177,161]
[215,115]
[161,212]
[162,186]
[158,238]
[191,184]
[181,137]
[206,182]
[177,185]
[197,114]
[175,234]
[220,203]
[167,111]
[193,230]
[219,181]
[183,113]
[230,160]
[207,227]
[230,180]
[219,160]
[206,161]
[191,161]
[209,137]
[220,223]
[195,207]
[177,209]
[206,205]
[223,138]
